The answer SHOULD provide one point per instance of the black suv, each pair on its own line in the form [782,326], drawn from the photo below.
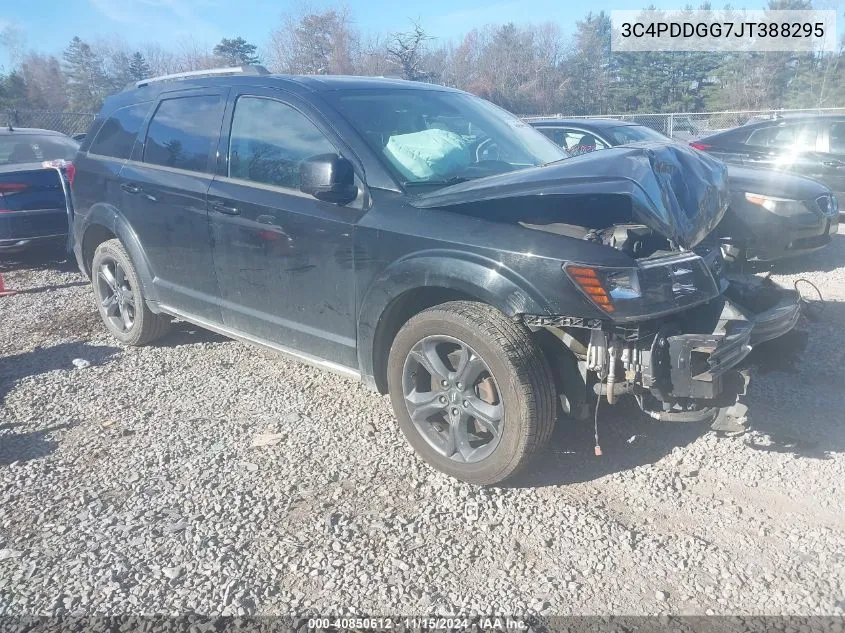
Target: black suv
[425,241]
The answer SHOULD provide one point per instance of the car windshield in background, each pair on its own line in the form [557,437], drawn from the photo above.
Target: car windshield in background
[624,134]
[34,148]
[436,137]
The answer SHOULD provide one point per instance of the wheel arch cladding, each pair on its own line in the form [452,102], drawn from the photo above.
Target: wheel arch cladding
[107,223]
[414,284]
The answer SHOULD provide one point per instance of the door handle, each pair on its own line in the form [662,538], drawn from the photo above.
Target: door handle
[223,208]
[833,163]
[128,187]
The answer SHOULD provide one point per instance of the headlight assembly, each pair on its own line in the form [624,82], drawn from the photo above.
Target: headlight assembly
[779,206]
[650,289]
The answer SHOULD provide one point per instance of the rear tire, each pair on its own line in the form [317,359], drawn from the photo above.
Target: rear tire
[119,296]
[455,427]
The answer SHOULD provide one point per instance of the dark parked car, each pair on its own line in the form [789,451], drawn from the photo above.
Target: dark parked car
[809,146]
[425,241]
[771,214]
[35,175]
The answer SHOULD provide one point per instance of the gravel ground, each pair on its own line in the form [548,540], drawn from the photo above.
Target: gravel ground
[199,475]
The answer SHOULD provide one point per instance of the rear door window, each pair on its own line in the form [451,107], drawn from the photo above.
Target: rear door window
[16,149]
[579,142]
[117,135]
[554,134]
[183,132]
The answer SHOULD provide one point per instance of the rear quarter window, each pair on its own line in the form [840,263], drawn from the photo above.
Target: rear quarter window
[117,135]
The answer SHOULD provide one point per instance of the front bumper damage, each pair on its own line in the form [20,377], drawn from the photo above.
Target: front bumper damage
[684,368]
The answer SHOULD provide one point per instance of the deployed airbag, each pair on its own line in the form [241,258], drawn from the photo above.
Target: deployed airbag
[429,154]
[675,190]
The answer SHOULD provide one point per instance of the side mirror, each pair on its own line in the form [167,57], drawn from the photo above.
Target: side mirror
[328,177]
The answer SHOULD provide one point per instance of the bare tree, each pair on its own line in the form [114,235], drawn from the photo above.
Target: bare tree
[407,51]
[45,82]
[13,41]
[315,43]
[372,57]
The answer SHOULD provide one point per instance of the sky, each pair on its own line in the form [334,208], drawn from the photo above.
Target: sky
[48,25]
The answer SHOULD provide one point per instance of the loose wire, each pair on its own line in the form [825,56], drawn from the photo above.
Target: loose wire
[596,424]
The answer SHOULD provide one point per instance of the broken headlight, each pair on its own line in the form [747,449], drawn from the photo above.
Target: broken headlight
[650,289]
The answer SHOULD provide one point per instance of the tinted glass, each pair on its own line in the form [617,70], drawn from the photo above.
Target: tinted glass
[575,142]
[556,135]
[269,140]
[579,142]
[634,134]
[837,138]
[34,148]
[438,137]
[183,132]
[798,136]
[117,136]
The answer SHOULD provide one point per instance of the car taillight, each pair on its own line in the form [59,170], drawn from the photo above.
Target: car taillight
[66,166]
[699,145]
[70,173]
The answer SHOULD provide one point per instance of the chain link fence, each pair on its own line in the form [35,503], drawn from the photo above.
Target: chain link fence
[689,126]
[70,123]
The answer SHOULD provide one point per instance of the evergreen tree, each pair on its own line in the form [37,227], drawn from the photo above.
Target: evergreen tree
[12,91]
[236,52]
[87,82]
[138,67]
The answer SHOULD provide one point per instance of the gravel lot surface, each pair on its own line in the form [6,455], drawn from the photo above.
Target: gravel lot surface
[200,475]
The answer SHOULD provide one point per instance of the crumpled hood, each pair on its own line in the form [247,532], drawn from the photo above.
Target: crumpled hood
[678,191]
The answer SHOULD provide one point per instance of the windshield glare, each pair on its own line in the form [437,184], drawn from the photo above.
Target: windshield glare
[437,137]
[625,134]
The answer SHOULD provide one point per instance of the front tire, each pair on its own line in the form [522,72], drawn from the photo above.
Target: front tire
[118,291]
[471,390]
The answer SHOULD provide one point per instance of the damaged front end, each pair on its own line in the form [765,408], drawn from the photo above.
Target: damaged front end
[671,327]
[681,367]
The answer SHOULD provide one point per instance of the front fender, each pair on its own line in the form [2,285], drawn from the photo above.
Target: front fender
[470,274]
[107,216]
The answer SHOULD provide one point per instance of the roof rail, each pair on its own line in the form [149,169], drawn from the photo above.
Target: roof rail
[211,72]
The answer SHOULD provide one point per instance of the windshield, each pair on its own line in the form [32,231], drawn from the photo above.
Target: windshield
[437,137]
[624,134]
[16,149]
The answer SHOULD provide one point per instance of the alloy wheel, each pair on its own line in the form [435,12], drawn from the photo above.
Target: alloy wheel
[115,294]
[452,398]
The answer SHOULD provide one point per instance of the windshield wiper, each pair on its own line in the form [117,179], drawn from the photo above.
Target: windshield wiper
[454,180]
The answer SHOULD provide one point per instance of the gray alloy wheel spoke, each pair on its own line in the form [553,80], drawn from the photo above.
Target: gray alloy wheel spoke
[450,442]
[489,415]
[470,368]
[109,304]
[124,315]
[129,299]
[422,405]
[108,277]
[425,353]
[119,276]
[458,429]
